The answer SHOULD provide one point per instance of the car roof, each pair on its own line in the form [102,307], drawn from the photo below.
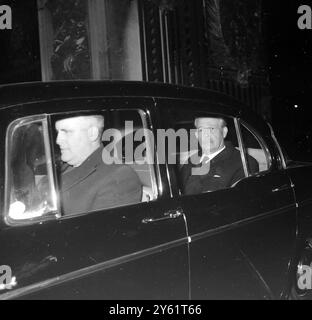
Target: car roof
[34,92]
[14,94]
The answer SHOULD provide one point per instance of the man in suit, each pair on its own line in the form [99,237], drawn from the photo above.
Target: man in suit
[88,183]
[220,165]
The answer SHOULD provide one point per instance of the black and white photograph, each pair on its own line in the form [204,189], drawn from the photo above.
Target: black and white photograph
[155,150]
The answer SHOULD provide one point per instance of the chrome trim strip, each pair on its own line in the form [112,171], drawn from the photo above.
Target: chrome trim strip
[277,145]
[147,124]
[49,163]
[240,223]
[256,272]
[189,240]
[241,145]
[90,270]
[305,203]
[169,180]
[163,40]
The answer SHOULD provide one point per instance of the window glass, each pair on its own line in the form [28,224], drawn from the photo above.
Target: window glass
[98,167]
[95,39]
[100,162]
[256,155]
[210,159]
[30,190]
[134,146]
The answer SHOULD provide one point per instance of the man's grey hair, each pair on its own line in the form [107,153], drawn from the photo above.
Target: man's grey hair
[98,122]
[223,121]
[93,121]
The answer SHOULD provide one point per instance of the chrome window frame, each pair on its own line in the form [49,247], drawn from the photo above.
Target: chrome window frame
[241,145]
[282,160]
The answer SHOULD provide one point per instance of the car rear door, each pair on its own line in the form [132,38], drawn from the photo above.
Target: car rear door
[102,255]
[131,252]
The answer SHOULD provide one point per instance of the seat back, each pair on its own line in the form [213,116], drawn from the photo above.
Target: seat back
[259,155]
[140,166]
[143,172]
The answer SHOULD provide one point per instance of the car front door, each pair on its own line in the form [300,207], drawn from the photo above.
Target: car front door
[138,251]
[270,199]
[242,237]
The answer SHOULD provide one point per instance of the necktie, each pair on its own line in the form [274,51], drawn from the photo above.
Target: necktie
[205,159]
[203,167]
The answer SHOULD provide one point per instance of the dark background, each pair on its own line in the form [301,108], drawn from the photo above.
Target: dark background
[289,66]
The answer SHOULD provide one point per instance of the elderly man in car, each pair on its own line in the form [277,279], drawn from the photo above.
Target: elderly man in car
[88,183]
[220,163]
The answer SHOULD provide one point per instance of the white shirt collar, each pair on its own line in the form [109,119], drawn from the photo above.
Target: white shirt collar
[211,155]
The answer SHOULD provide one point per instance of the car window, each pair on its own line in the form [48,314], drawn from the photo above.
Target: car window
[45,178]
[134,145]
[30,187]
[114,174]
[255,150]
[212,158]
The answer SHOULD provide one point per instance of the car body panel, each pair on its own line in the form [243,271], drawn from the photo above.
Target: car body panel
[76,247]
[236,243]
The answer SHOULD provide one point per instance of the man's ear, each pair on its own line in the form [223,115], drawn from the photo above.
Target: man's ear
[93,133]
[225,132]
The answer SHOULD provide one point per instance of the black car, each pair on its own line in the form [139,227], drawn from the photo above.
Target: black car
[249,240]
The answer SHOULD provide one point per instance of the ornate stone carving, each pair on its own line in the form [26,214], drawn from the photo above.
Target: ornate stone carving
[71,58]
[235,35]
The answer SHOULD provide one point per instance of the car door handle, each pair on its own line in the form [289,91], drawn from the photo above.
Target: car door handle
[171,214]
[283,188]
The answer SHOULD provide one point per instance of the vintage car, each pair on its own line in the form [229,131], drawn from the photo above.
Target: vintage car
[247,240]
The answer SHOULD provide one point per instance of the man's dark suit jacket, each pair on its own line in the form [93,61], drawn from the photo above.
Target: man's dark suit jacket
[95,185]
[226,168]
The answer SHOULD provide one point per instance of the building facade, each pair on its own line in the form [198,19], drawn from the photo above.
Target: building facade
[217,44]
